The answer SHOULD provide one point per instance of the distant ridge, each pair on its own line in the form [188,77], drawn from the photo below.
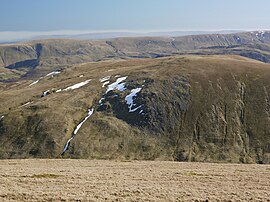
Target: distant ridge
[25,36]
[32,58]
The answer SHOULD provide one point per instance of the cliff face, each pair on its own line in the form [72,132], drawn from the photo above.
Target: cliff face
[33,58]
[190,108]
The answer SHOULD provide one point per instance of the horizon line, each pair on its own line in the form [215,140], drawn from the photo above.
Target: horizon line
[131,30]
[17,36]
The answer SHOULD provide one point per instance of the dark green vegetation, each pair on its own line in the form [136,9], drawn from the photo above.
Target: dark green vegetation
[195,108]
[34,58]
[45,175]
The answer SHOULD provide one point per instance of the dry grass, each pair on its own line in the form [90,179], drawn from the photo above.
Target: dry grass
[84,180]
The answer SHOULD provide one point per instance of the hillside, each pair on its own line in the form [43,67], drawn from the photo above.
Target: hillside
[34,58]
[183,108]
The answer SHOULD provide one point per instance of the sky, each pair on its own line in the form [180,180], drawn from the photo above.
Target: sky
[24,16]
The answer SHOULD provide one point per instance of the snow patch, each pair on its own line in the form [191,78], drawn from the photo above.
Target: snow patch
[35,82]
[121,87]
[117,85]
[45,93]
[260,34]
[1,117]
[106,78]
[53,73]
[101,101]
[67,145]
[26,104]
[129,99]
[58,91]
[90,112]
[105,83]
[135,109]
[78,85]
[50,74]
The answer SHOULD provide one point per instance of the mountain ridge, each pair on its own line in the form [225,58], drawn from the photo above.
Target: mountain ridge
[6,37]
[187,108]
[36,57]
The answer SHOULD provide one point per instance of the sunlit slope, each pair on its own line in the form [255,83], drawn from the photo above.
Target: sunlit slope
[35,58]
[185,108]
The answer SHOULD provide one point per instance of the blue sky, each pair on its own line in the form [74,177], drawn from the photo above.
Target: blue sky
[48,15]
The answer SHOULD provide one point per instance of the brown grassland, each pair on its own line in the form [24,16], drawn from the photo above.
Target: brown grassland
[100,180]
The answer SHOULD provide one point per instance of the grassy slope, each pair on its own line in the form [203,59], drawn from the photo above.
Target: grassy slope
[197,108]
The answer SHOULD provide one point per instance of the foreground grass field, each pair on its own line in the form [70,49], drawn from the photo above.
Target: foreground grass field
[92,180]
